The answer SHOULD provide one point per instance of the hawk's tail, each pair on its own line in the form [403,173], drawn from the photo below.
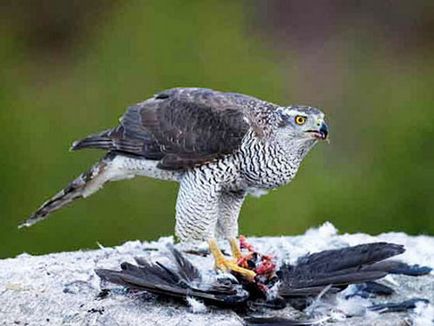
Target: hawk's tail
[85,185]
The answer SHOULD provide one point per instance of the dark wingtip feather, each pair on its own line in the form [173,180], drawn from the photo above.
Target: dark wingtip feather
[110,276]
[398,267]
[363,254]
[397,307]
[181,282]
[93,141]
[185,268]
[338,267]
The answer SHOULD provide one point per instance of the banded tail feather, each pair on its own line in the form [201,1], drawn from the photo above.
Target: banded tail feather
[86,184]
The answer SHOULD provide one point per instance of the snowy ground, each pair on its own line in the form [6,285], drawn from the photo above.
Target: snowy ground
[62,288]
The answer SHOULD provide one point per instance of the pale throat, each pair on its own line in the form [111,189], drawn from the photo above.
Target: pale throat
[295,149]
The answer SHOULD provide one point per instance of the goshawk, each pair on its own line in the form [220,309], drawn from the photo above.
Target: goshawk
[219,146]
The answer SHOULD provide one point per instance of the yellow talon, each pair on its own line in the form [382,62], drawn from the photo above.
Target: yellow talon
[225,264]
[236,251]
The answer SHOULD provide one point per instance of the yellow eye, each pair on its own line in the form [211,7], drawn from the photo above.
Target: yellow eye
[300,120]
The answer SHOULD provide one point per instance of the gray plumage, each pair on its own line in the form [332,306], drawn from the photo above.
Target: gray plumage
[183,280]
[337,268]
[218,146]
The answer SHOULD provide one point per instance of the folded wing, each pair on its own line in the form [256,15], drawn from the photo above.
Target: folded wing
[181,128]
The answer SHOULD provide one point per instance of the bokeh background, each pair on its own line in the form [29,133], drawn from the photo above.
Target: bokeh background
[70,68]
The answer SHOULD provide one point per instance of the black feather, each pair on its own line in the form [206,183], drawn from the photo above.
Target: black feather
[180,282]
[369,289]
[398,267]
[338,268]
[397,306]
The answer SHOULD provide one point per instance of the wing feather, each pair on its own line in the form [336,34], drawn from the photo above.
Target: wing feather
[181,127]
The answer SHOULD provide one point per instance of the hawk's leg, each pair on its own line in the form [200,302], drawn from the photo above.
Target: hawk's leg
[229,206]
[225,264]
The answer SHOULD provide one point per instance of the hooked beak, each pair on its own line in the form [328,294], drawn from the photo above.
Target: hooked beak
[321,133]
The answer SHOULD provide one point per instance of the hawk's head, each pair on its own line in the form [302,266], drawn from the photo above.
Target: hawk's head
[300,127]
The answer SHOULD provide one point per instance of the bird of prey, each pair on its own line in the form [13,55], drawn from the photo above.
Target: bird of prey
[219,146]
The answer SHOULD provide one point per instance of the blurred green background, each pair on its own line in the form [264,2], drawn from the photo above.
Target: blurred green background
[70,68]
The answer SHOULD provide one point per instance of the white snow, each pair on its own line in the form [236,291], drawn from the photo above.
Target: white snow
[423,314]
[62,288]
[196,306]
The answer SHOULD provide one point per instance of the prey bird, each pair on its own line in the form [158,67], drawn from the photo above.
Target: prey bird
[219,146]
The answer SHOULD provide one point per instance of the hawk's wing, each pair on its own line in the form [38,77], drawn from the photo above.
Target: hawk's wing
[181,127]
